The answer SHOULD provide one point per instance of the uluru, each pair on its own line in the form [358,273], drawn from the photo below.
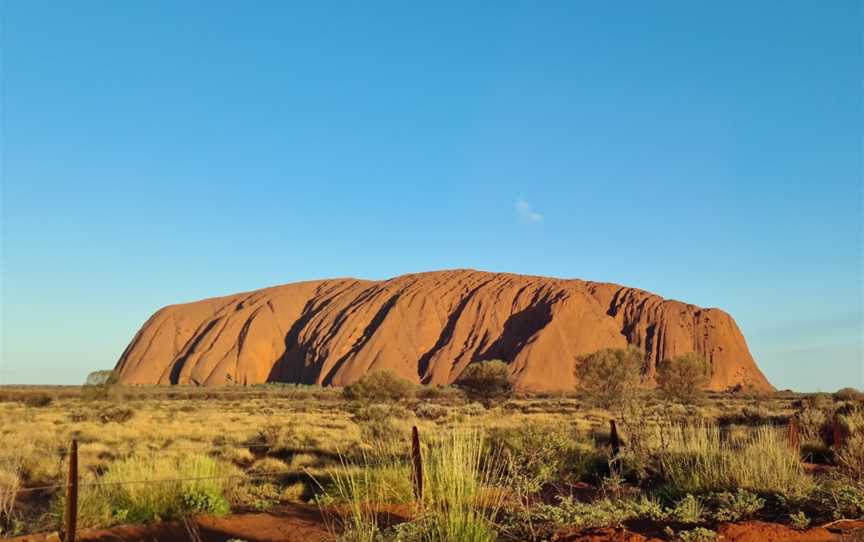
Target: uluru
[427,327]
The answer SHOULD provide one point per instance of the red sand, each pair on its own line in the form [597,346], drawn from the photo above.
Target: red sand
[300,523]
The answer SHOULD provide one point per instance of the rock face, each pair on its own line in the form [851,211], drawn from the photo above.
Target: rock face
[427,328]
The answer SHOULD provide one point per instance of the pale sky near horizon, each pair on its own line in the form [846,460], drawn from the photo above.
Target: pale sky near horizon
[157,152]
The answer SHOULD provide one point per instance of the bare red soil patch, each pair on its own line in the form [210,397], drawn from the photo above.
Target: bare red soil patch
[284,524]
[758,531]
[299,523]
[606,535]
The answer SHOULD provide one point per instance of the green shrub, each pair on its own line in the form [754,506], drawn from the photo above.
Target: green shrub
[204,501]
[736,506]
[539,454]
[839,497]
[569,512]
[799,520]
[699,534]
[682,377]
[689,510]
[379,387]
[607,377]
[486,382]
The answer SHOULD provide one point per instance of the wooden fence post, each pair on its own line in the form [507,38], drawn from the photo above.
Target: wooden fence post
[71,515]
[614,440]
[417,462]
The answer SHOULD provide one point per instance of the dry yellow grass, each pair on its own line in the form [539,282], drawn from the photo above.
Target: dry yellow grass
[258,432]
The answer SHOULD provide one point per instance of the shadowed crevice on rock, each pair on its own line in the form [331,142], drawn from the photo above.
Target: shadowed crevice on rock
[446,334]
[177,368]
[518,330]
[363,339]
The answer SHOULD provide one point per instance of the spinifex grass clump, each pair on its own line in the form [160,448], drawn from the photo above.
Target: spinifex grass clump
[694,459]
[460,498]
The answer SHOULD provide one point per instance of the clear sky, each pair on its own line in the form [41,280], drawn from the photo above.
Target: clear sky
[157,152]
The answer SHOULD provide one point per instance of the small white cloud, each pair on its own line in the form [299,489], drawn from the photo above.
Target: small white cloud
[526,213]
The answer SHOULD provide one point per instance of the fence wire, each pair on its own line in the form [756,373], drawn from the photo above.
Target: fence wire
[164,480]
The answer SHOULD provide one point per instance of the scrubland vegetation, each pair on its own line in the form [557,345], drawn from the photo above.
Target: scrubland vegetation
[497,465]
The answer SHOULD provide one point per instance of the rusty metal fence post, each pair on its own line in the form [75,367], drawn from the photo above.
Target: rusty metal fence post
[837,432]
[71,514]
[417,463]
[793,434]
[614,439]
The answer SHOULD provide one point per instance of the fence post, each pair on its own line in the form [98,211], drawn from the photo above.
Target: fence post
[71,515]
[417,462]
[614,440]
[793,435]
[837,431]
[725,433]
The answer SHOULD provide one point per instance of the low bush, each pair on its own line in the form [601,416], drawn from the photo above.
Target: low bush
[838,497]
[472,409]
[379,387]
[430,411]
[683,377]
[799,520]
[487,382]
[116,415]
[699,534]
[38,400]
[446,394]
[609,376]
[258,496]
[536,455]
[571,513]
[848,394]
[741,504]
[689,510]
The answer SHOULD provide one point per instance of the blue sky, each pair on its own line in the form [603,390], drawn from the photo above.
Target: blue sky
[157,152]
